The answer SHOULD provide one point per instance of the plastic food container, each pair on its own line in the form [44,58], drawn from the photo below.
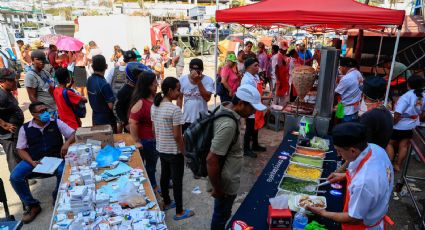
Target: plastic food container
[301,201]
[293,185]
[311,161]
[312,152]
[303,172]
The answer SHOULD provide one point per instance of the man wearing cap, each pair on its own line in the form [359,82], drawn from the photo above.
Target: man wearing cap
[122,104]
[378,120]
[117,76]
[100,93]
[229,78]
[348,89]
[369,177]
[251,78]
[39,82]
[11,117]
[225,159]
[178,59]
[196,90]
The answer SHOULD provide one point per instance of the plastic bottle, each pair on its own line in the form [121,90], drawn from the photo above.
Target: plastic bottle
[300,220]
[303,124]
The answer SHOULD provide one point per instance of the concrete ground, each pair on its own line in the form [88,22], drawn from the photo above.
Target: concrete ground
[402,211]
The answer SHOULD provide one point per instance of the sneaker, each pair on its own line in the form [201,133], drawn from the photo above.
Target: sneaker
[250,153]
[31,213]
[259,148]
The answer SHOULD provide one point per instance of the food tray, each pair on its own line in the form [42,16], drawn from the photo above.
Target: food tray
[310,151]
[316,162]
[295,191]
[303,175]
[321,199]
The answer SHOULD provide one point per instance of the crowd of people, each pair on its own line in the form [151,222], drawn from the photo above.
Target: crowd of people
[127,98]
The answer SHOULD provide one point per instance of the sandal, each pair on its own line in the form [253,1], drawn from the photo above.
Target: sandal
[170,206]
[187,214]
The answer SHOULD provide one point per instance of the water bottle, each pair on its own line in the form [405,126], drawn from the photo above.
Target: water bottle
[300,220]
[303,124]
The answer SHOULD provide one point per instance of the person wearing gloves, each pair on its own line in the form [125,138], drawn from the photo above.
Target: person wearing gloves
[367,197]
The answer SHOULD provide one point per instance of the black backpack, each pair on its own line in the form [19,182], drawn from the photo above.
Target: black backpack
[198,137]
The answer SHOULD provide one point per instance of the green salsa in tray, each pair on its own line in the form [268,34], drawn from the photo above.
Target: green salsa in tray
[296,186]
[306,160]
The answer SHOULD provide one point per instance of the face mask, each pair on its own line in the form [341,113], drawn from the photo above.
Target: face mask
[44,117]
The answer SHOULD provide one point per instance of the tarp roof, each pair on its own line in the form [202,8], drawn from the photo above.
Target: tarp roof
[327,13]
[413,26]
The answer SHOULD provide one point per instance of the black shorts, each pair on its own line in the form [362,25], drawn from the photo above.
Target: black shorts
[399,135]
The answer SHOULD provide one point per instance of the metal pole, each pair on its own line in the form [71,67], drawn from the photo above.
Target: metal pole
[397,41]
[216,58]
[379,55]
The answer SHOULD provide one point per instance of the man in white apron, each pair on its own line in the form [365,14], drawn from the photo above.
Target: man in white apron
[367,197]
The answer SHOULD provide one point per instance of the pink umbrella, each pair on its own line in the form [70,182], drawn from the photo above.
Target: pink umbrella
[69,44]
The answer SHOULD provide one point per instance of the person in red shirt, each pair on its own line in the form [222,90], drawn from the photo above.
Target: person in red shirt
[65,112]
[141,123]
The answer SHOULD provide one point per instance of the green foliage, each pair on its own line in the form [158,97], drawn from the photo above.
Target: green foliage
[29,24]
[62,11]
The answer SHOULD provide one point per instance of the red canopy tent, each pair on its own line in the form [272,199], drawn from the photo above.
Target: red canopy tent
[333,13]
[316,13]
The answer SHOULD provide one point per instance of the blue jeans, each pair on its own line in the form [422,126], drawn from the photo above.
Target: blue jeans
[351,118]
[222,211]
[150,158]
[21,187]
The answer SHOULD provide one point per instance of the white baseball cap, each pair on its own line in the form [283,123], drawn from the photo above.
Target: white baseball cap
[251,95]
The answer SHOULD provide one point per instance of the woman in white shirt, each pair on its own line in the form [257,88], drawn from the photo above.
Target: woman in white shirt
[408,110]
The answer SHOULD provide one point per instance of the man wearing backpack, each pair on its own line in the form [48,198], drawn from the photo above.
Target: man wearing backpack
[39,82]
[117,77]
[67,99]
[225,159]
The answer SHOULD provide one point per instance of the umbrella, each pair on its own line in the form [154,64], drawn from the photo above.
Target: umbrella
[69,44]
[51,39]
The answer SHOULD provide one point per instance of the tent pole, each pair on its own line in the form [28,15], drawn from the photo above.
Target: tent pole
[216,61]
[397,41]
[216,56]
[379,54]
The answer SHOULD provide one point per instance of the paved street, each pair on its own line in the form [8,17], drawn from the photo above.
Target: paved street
[401,211]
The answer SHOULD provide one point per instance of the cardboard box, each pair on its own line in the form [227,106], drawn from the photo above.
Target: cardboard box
[101,133]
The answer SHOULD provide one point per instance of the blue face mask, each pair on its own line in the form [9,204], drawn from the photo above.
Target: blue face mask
[44,117]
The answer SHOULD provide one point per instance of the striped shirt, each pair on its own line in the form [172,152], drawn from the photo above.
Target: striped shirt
[165,117]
